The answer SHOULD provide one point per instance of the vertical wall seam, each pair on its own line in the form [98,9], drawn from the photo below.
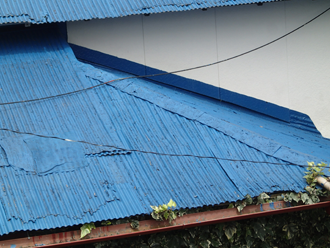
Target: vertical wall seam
[217,49]
[144,47]
[287,59]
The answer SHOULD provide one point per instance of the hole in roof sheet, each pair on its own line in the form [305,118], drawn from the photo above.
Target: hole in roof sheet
[42,155]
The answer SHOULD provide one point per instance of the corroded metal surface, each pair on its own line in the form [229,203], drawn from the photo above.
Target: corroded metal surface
[151,226]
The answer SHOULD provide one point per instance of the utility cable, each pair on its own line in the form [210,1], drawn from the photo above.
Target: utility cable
[172,72]
[151,152]
[154,75]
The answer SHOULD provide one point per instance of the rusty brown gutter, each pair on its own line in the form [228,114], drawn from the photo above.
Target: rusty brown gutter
[151,226]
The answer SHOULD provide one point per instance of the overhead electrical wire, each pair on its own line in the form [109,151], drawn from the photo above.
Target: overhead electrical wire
[151,152]
[155,75]
[172,72]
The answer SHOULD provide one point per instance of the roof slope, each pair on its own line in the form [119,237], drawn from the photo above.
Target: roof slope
[51,182]
[44,11]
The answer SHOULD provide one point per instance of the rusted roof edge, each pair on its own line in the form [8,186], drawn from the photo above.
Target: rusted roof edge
[151,226]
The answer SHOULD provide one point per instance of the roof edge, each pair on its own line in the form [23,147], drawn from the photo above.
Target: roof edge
[49,14]
[106,233]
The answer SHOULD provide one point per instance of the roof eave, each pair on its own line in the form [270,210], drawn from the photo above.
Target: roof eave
[106,233]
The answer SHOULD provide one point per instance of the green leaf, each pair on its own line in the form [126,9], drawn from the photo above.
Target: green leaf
[215,242]
[315,198]
[248,232]
[205,244]
[322,164]
[287,198]
[262,198]
[230,231]
[279,198]
[163,207]
[249,241]
[181,212]
[290,230]
[309,243]
[135,224]
[155,245]
[171,204]
[156,216]
[192,232]
[86,229]
[240,207]
[248,199]
[219,230]
[319,228]
[173,215]
[304,197]
[309,201]
[166,214]
[155,208]
[259,230]
[295,197]
[106,223]
[193,246]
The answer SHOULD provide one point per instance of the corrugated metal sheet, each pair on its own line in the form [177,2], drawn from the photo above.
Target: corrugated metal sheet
[37,63]
[44,11]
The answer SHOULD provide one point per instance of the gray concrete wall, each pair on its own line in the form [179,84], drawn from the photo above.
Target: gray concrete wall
[292,73]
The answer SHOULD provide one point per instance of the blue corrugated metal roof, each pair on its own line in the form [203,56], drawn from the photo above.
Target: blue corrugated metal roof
[49,183]
[44,11]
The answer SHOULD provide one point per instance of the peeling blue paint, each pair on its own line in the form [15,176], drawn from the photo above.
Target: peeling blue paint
[39,155]
[271,205]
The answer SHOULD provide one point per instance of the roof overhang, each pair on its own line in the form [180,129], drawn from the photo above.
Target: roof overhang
[38,12]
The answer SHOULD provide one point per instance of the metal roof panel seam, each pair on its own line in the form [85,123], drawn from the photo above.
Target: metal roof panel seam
[55,191]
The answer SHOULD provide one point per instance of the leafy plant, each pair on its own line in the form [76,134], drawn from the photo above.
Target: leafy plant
[313,171]
[242,204]
[135,224]
[106,223]
[263,198]
[86,229]
[165,211]
[297,229]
